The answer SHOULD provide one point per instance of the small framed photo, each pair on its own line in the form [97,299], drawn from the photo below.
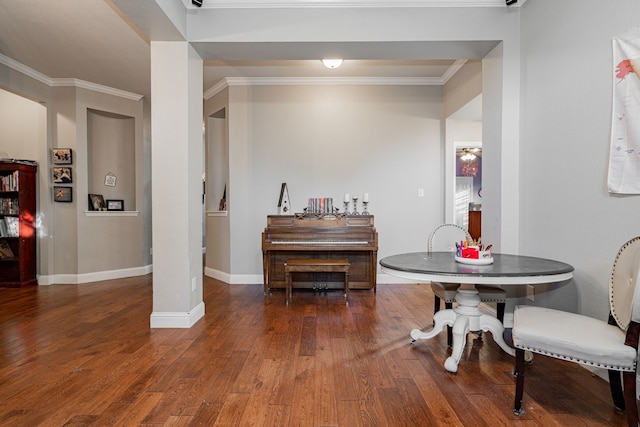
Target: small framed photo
[62,156]
[110,180]
[115,205]
[96,202]
[62,176]
[62,194]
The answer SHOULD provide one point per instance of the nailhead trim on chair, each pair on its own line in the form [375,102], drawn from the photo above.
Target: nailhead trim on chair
[584,362]
[614,313]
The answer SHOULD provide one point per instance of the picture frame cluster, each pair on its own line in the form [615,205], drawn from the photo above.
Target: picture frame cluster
[62,174]
[98,203]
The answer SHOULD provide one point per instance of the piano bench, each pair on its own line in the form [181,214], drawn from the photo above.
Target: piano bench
[316,266]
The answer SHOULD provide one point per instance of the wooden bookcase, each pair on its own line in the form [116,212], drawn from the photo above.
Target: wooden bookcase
[18,224]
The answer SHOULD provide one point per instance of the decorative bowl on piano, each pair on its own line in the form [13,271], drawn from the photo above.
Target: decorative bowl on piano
[319,215]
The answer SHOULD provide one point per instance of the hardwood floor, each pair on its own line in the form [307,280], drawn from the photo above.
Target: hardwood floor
[85,356]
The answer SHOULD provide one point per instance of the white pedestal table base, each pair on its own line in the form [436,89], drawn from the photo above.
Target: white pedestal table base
[464,318]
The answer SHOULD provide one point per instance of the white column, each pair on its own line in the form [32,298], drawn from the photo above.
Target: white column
[176,149]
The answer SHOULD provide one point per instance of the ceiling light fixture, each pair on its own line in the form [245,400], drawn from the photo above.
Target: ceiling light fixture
[467,156]
[332,63]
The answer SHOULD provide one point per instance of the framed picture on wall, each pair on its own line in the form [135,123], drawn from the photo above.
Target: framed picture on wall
[115,205]
[62,194]
[96,202]
[62,156]
[62,176]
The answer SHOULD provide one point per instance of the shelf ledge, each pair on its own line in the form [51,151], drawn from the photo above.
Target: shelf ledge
[111,213]
[216,213]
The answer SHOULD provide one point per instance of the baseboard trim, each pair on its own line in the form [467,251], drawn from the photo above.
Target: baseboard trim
[217,274]
[76,279]
[176,319]
[234,279]
[257,279]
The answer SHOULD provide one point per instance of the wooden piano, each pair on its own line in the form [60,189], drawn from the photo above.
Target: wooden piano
[325,237]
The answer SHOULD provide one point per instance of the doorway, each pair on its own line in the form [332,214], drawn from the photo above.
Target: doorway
[468,190]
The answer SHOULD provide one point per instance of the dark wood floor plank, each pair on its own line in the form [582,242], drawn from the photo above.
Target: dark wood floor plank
[308,337]
[231,412]
[349,413]
[343,372]
[84,355]
[303,409]
[326,412]
[264,386]
[278,416]
[440,407]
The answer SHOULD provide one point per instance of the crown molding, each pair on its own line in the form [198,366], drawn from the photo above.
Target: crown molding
[30,72]
[297,4]
[97,88]
[63,82]
[453,69]
[322,81]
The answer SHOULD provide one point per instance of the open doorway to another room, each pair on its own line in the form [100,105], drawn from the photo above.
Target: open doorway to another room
[468,193]
[463,166]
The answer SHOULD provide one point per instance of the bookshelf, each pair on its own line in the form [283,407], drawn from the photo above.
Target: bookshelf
[17,223]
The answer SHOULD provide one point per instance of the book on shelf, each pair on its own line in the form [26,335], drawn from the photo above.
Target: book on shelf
[10,226]
[5,250]
[8,206]
[9,182]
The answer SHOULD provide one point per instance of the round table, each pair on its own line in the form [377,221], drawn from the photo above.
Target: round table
[506,270]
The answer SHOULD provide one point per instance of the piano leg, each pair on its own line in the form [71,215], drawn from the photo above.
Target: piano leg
[288,286]
[346,287]
[265,273]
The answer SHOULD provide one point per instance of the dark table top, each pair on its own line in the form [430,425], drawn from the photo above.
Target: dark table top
[506,269]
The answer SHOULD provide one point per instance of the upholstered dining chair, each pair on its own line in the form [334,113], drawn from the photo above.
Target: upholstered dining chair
[443,239]
[612,345]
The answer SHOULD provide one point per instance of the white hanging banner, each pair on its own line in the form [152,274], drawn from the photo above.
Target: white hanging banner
[624,158]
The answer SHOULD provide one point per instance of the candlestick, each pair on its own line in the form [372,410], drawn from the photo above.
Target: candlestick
[355,205]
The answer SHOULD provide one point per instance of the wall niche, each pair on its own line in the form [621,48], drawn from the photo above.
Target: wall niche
[111,159]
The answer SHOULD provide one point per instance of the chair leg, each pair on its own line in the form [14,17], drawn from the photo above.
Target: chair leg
[615,384]
[449,306]
[436,304]
[629,379]
[519,373]
[500,311]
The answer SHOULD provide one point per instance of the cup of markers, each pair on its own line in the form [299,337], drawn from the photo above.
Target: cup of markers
[472,250]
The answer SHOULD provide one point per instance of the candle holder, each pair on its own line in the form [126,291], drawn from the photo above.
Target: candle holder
[346,207]
[355,206]
[365,211]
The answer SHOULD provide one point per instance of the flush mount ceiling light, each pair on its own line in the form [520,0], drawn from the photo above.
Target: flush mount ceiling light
[332,63]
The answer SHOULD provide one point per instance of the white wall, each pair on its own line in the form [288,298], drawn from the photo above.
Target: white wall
[19,141]
[567,212]
[71,247]
[324,141]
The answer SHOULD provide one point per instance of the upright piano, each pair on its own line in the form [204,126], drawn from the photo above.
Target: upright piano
[353,237]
